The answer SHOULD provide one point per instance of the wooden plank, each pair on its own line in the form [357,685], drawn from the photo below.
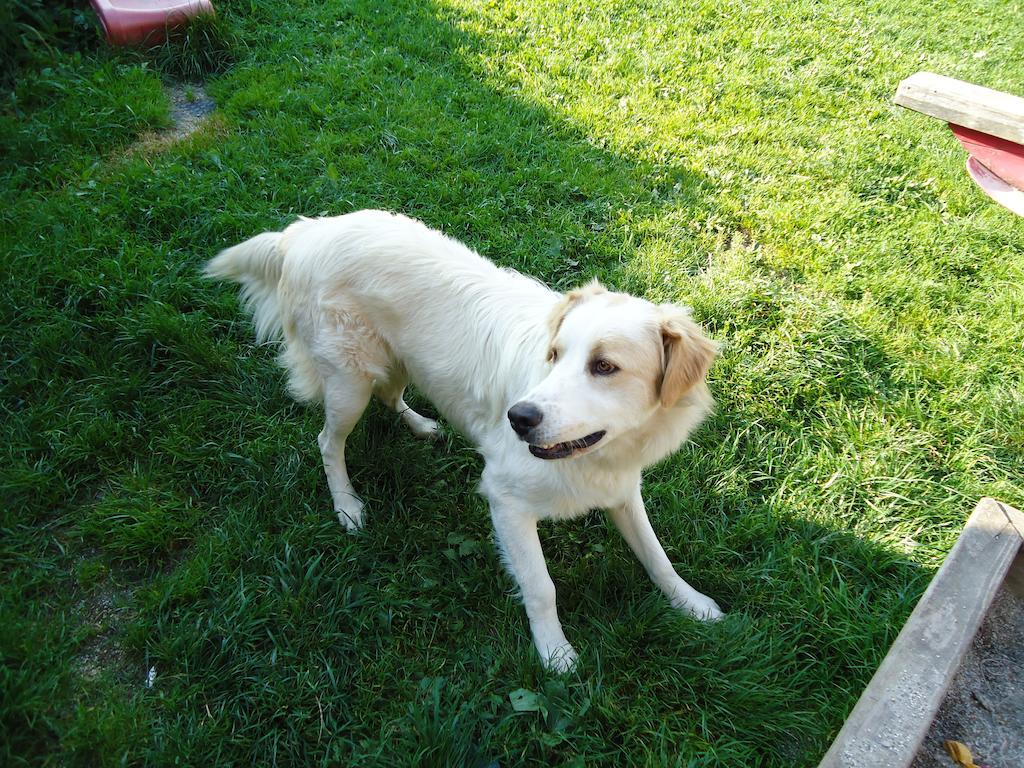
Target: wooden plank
[892,716]
[973,106]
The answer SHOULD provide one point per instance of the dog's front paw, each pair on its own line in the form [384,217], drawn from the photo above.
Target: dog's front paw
[350,513]
[560,659]
[699,606]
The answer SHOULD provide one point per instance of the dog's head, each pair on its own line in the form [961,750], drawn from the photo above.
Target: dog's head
[615,360]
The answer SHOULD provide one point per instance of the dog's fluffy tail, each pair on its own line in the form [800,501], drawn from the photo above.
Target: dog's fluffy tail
[256,266]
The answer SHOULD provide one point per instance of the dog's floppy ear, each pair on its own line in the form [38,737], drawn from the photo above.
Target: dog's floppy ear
[569,300]
[688,354]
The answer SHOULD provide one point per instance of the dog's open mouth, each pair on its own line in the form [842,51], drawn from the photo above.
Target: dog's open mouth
[561,450]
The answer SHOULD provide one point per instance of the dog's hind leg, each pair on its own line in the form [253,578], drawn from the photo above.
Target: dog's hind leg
[391,394]
[346,395]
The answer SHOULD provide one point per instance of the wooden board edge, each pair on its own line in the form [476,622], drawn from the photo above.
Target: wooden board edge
[892,716]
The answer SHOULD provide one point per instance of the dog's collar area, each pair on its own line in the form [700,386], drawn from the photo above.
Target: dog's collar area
[568,448]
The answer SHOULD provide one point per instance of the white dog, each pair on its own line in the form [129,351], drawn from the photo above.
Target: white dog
[568,397]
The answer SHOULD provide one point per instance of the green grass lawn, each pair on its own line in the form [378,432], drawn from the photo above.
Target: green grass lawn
[163,501]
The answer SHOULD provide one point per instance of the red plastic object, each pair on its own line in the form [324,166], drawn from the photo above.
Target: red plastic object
[127,22]
[1003,193]
[1004,158]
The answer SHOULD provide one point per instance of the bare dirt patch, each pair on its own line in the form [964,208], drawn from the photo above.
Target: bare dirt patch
[191,111]
[105,611]
[189,107]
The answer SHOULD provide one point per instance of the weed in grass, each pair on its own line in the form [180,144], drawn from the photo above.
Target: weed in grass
[203,46]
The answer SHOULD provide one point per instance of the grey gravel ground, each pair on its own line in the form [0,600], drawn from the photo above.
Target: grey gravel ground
[984,707]
[189,105]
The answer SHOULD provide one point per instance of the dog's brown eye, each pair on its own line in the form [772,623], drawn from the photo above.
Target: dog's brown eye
[602,368]
[552,355]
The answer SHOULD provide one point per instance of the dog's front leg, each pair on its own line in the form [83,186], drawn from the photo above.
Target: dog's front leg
[631,520]
[516,531]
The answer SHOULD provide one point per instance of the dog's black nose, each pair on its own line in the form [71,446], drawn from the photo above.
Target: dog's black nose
[524,417]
